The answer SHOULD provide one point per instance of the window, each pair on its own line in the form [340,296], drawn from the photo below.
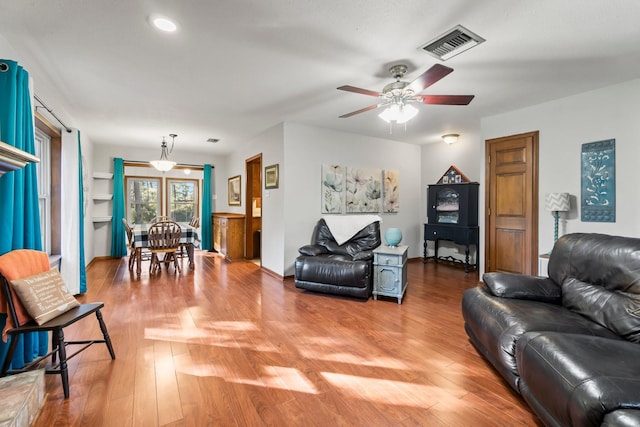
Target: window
[48,145]
[182,197]
[42,146]
[143,199]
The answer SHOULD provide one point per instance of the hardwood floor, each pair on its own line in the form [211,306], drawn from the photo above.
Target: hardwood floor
[230,345]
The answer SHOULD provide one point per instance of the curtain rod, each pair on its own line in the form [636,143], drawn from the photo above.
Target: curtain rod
[50,111]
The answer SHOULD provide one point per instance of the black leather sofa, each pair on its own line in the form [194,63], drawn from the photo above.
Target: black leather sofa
[569,344]
[347,269]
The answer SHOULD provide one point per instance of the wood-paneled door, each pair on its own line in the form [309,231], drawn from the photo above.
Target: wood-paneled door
[253,207]
[511,218]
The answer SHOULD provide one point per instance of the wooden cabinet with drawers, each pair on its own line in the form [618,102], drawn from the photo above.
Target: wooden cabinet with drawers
[390,275]
[228,235]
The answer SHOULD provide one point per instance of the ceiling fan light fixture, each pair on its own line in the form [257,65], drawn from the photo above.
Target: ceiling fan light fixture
[398,113]
[389,114]
[407,112]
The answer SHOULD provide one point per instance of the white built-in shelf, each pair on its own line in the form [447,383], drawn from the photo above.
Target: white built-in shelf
[12,158]
[102,196]
[102,175]
[101,219]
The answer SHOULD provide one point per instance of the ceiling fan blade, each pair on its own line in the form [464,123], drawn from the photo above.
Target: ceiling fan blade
[429,77]
[353,113]
[358,90]
[447,99]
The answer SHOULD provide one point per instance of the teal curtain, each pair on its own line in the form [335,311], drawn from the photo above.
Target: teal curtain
[19,211]
[118,236]
[83,269]
[205,218]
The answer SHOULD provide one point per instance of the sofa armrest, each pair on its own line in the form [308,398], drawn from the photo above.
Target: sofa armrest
[520,286]
[313,250]
[363,255]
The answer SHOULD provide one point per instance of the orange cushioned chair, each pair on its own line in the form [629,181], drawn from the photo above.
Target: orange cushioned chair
[21,264]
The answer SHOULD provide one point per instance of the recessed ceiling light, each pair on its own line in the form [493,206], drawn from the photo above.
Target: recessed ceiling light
[164,24]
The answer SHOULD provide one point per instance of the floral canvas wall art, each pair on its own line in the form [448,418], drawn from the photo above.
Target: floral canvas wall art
[391,191]
[598,186]
[364,190]
[332,189]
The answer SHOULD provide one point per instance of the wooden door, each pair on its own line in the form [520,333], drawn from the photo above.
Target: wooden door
[511,220]
[253,207]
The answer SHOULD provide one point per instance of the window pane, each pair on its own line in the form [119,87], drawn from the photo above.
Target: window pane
[182,199]
[143,201]
[43,170]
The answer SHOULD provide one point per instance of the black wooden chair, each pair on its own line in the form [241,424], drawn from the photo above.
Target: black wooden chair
[23,263]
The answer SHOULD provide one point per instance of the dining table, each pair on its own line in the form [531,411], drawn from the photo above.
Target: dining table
[188,237]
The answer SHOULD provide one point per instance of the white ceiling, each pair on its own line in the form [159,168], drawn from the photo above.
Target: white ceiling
[238,67]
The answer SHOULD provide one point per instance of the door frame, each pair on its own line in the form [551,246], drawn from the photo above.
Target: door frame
[535,137]
[253,169]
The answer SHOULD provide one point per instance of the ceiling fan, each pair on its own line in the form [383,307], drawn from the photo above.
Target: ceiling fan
[399,94]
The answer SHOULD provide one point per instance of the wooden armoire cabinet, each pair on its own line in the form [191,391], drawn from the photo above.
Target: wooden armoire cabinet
[228,234]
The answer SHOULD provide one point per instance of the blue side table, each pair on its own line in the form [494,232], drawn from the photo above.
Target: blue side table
[390,271]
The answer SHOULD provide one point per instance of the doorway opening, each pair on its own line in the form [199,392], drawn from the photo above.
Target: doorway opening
[253,206]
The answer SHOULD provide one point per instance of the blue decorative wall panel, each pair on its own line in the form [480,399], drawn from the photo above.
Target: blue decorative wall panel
[598,186]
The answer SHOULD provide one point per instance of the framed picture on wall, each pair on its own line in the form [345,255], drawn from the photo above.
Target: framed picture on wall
[235,191]
[271,179]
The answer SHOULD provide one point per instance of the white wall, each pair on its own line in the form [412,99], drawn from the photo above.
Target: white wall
[307,148]
[270,144]
[566,124]
[102,161]
[435,161]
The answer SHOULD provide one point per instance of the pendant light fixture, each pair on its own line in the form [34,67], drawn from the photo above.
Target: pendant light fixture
[164,164]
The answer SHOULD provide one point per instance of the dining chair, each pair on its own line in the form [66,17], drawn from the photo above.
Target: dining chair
[184,247]
[145,255]
[164,237]
[37,301]
[159,219]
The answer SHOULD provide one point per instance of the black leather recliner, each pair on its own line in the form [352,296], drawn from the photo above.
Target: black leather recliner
[347,269]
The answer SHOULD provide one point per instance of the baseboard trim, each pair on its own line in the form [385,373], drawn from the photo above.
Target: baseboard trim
[98,258]
[272,273]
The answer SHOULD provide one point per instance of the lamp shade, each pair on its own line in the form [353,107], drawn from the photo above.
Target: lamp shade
[558,202]
[163,165]
[399,113]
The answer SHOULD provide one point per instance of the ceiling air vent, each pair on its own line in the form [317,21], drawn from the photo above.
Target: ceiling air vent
[455,41]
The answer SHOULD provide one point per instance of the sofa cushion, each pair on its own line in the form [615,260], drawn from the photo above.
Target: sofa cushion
[365,240]
[312,250]
[578,379]
[520,286]
[337,270]
[622,418]
[618,311]
[612,262]
[495,325]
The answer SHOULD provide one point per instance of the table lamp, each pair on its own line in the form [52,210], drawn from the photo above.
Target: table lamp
[556,203]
